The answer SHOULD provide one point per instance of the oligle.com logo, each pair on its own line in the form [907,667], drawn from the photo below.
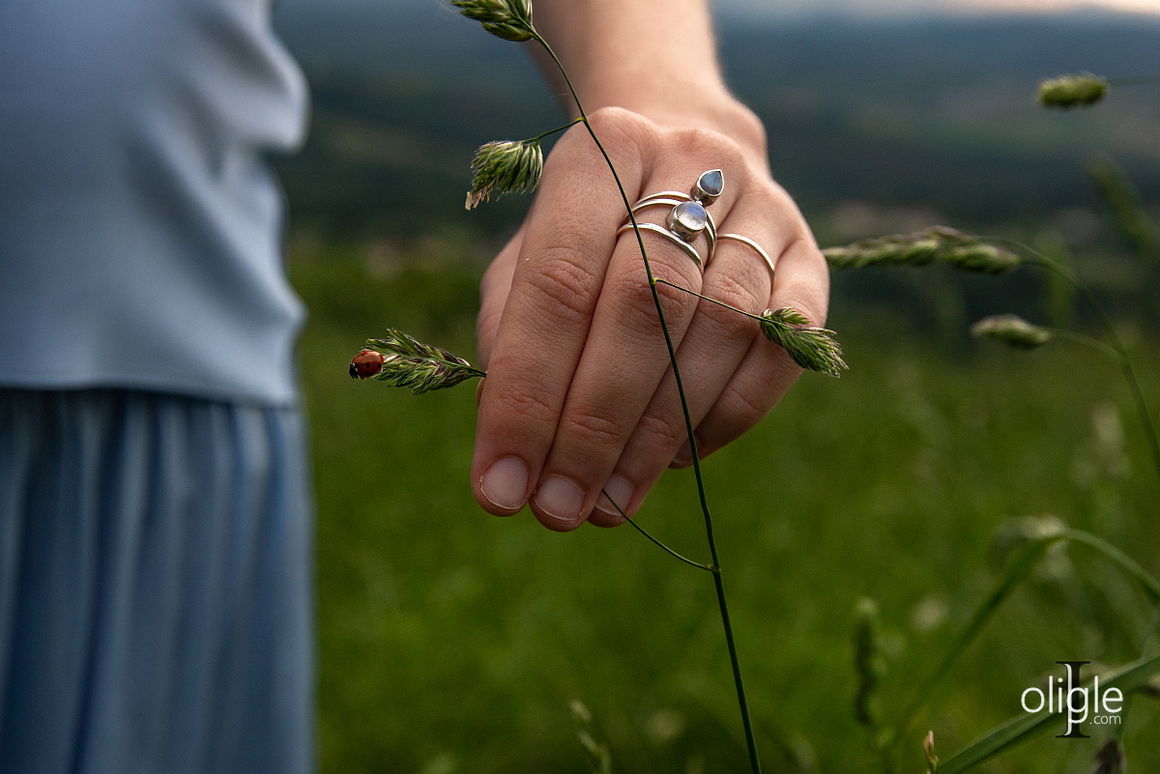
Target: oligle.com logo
[1077,703]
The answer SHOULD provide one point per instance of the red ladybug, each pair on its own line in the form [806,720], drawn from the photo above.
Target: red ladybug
[366,364]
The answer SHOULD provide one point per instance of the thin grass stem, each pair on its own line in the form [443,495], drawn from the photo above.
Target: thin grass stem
[1126,563]
[1050,264]
[742,702]
[1087,341]
[1023,726]
[1151,587]
[660,281]
[1016,572]
[1149,643]
[654,539]
[558,129]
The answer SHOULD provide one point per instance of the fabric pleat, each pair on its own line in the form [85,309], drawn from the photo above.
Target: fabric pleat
[155,597]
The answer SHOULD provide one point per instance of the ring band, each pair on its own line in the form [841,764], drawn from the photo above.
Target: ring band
[669,235]
[667,195]
[760,250]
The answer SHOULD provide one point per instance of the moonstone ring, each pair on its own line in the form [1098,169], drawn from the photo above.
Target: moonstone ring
[687,220]
[689,217]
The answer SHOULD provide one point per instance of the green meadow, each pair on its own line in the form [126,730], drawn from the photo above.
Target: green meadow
[454,641]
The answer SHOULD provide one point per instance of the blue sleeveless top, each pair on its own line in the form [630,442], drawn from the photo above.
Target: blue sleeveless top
[139,221]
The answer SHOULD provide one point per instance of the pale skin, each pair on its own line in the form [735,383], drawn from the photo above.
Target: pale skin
[580,394]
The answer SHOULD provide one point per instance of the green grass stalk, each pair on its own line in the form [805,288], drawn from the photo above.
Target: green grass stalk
[718,581]
[654,539]
[1145,415]
[1022,727]
[1016,573]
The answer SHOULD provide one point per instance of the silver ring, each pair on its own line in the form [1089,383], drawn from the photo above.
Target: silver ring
[760,250]
[669,235]
[688,220]
[657,200]
[710,231]
[665,195]
[689,217]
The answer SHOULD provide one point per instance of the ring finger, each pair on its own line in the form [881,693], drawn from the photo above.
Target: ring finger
[624,360]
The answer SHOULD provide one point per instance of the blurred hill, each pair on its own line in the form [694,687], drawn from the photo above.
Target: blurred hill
[875,126]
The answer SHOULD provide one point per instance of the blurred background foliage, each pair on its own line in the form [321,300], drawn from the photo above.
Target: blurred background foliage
[451,641]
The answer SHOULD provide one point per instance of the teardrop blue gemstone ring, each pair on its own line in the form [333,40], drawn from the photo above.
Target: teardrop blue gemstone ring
[709,186]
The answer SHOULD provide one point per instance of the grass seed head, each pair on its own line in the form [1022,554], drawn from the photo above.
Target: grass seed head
[1012,330]
[598,752]
[1016,534]
[869,665]
[1110,759]
[503,167]
[1068,91]
[507,19]
[811,347]
[936,244]
[928,750]
[982,258]
[907,250]
[401,360]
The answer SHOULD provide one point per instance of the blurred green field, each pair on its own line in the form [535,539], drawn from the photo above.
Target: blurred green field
[453,641]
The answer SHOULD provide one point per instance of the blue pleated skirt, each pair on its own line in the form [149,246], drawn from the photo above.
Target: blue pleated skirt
[155,589]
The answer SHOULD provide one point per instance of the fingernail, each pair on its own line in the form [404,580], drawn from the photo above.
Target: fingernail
[683,457]
[620,490]
[561,499]
[505,483]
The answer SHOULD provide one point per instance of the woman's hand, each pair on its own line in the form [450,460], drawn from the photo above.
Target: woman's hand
[580,395]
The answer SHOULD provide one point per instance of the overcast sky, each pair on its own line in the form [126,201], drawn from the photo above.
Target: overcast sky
[877,7]
[862,7]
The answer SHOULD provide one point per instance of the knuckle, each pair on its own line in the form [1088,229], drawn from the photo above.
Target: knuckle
[619,126]
[562,286]
[741,409]
[637,309]
[661,433]
[596,431]
[712,147]
[781,201]
[677,304]
[735,292]
[523,403]
[750,129]
[573,145]
[628,137]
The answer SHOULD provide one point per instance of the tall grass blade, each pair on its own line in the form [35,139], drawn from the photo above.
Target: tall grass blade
[1022,727]
[1123,200]
[1016,573]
